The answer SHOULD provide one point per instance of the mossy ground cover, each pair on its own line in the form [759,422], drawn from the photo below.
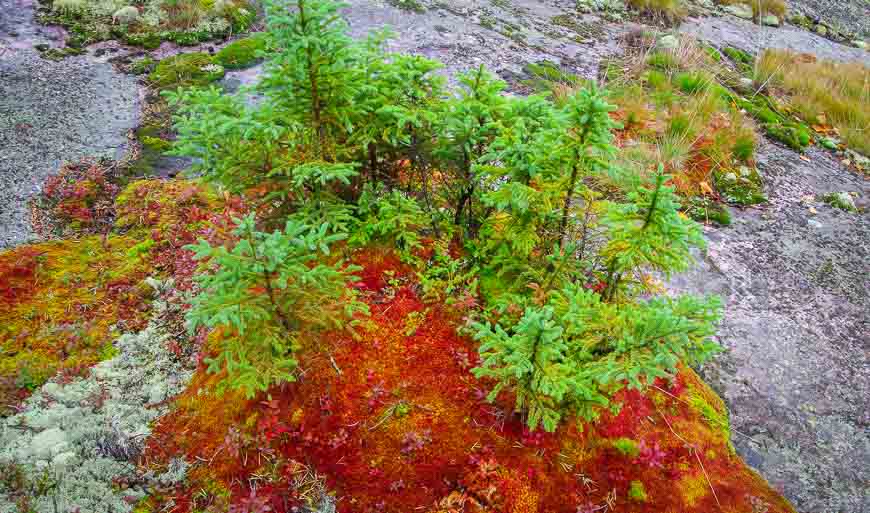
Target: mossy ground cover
[395,421]
[145,24]
[393,410]
[186,70]
[242,53]
[64,300]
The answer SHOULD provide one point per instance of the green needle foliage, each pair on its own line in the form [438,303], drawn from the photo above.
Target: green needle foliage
[549,265]
[399,101]
[313,79]
[573,353]
[469,125]
[389,217]
[265,294]
[647,234]
[585,145]
[232,143]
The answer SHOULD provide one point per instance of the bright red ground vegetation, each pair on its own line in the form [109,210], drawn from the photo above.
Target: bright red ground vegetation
[396,422]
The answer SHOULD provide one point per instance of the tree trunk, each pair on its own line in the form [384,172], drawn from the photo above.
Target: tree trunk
[563,224]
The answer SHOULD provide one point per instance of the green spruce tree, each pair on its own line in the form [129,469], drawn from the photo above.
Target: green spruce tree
[647,234]
[573,353]
[268,294]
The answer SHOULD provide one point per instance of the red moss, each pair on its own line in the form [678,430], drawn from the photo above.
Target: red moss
[17,273]
[397,423]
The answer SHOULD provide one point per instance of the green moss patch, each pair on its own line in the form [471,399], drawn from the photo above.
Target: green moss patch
[792,135]
[742,186]
[841,200]
[637,492]
[692,82]
[242,53]
[409,5]
[186,70]
[776,125]
[142,66]
[741,59]
[705,210]
[626,447]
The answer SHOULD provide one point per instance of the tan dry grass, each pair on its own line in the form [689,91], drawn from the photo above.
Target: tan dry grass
[821,92]
[667,10]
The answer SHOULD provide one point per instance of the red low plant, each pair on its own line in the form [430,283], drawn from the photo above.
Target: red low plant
[77,200]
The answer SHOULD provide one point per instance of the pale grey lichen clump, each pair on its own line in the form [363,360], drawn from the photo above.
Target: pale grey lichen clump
[83,436]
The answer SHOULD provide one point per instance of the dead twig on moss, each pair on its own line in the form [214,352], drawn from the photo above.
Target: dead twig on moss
[720,422]
[694,450]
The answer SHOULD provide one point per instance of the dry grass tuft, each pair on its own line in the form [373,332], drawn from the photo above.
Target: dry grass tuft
[641,53]
[667,10]
[821,92]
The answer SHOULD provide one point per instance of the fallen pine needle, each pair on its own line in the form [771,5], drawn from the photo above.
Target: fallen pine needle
[695,451]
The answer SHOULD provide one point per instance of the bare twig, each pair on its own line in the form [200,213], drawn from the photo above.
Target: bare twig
[694,450]
[334,365]
[718,421]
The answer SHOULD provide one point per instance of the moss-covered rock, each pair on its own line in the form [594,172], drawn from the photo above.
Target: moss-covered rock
[841,200]
[408,5]
[143,65]
[146,40]
[740,58]
[242,53]
[792,135]
[742,186]
[705,210]
[186,70]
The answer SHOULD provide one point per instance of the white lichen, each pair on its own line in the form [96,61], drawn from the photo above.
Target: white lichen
[126,15]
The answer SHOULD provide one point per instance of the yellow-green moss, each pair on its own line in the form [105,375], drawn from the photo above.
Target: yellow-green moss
[186,70]
[693,487]
[242,53]
[626,446]
[705,401]
[158,204]
[637,492]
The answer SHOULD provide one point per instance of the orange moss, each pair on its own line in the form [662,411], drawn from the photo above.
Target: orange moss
[64,302]
[397,423]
